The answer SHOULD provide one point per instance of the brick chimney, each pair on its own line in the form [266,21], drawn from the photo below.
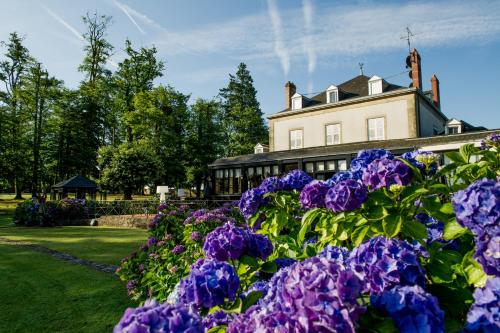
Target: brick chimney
[435,91]
[416,71]
[290,90]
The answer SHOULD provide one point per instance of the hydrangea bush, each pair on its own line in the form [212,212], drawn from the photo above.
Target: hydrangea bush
[392,244]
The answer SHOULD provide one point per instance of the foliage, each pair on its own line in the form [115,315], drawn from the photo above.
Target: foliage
[397,259]
[34,213]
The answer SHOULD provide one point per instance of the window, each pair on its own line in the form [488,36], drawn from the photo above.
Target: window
[333,96]
[453,130]
[333,134]
[376,129]
[330,165]
[342,165]
[296,139]
[276,170]
[267,171]
[375,85]
[320,166]
[310,167]
[297,103]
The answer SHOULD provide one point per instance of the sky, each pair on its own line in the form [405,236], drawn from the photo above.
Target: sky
[312,43]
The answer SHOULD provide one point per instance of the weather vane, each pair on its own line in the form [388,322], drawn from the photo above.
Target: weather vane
[361,68]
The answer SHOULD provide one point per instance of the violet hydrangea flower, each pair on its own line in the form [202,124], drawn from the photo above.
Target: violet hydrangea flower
[210,284]
[259,246]
[425,161]
[345,196]
[339,255]
[484,315]
[264,320]
[218,318]
[250,202]
[435,228]
[271,184]
[262,286]
[195,236]
[226,242]
[284,262]
[488,252]
[491,141]
[313,194]
[296,180]
[386,262]
[386,172]
[340,176]
[411,308]
[364,158]
[178,249]
[478,206]
[156,318]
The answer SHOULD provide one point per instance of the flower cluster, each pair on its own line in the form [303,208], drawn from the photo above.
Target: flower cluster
[435,228]
[411,308]
[345,195]
[386,172]
[231,242]
[296,180]
[152,317]
[340,255]
[262,286]
[313,195]
[426,161]
[386,262]
[491,141]
[314,295]
[484,315]
[217,318]
[478,208]
[340,176]
[364,158]
[271,184]
[250,202]
[209,284]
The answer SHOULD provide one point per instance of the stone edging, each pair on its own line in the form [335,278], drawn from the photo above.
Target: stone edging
[103,268]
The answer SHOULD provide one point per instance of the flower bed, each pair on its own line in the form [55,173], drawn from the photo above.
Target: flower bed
[392,244]
[34,213]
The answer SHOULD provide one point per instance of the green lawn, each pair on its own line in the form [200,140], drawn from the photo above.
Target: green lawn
[42,294]
[99,244]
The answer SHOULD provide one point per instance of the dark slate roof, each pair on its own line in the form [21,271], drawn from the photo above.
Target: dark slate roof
[350,148]
[355,87]
[76,182]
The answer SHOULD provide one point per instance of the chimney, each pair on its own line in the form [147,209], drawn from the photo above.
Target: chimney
[290,90]
[435,91]
[416,71]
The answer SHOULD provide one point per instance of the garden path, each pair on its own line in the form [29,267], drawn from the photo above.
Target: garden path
[104,268]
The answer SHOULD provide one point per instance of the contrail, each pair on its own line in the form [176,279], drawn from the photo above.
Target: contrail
[126,9]
[63,22]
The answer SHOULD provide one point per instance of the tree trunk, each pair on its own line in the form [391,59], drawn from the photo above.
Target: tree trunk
[18,190]
[127,194]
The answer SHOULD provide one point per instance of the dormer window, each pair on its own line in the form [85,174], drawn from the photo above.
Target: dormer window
[332,94]
[375,85]
[296,102]
[454,126]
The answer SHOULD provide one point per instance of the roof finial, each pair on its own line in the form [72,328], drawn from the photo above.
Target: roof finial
[408,36]
[361,68]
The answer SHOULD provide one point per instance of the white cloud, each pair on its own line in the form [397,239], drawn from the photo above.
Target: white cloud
[309,45]
[127,11]
[59,19]
[279,45]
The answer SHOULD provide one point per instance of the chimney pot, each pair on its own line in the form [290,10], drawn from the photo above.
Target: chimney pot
[435,91]
[416,71]
[290,90]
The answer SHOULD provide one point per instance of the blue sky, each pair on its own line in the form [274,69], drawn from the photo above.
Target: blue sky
[310,42]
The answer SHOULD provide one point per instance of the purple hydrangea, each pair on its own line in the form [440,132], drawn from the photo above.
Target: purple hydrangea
[162,206]
[264,320]
[210,284]
[364,158]
[226,242]
[340,176]
[425,161]
[488,252]
[386,262]
[345,196]
[196,236]
[386,172]
[152,317]
[194,215]
[284,262]
[151,241]
[130,286]
[313,195]
[318,293]
[218,318]
[259,246]
[178,249]
[491,141]
[262,286]
[339,255]
[435,228]
[271,184]
[484,314]
[296,180]
[411,308]
[478,206]
[250,202]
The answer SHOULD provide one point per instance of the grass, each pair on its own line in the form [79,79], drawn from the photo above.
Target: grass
[42,294]
[99,244]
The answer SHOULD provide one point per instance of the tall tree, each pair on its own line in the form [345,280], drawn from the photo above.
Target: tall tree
[95,89]
[13,127]
[243,120]
[135,74]
[204,140]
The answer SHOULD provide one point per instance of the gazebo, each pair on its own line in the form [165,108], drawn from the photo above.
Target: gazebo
[79,185]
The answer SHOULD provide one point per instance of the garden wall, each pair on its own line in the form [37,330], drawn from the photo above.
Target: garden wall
[125,221]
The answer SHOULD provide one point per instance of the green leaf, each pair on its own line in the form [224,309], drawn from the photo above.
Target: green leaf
[447,208]
[269,267]
[250,300]
[473,271]
[415,230]
[310,250]
[456,157]
[453,230]
[249,261]
[376,213]
[392,225]
[466,151]
[218,329]
[440,266]
[358,234]
[307,221]
[417,175]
